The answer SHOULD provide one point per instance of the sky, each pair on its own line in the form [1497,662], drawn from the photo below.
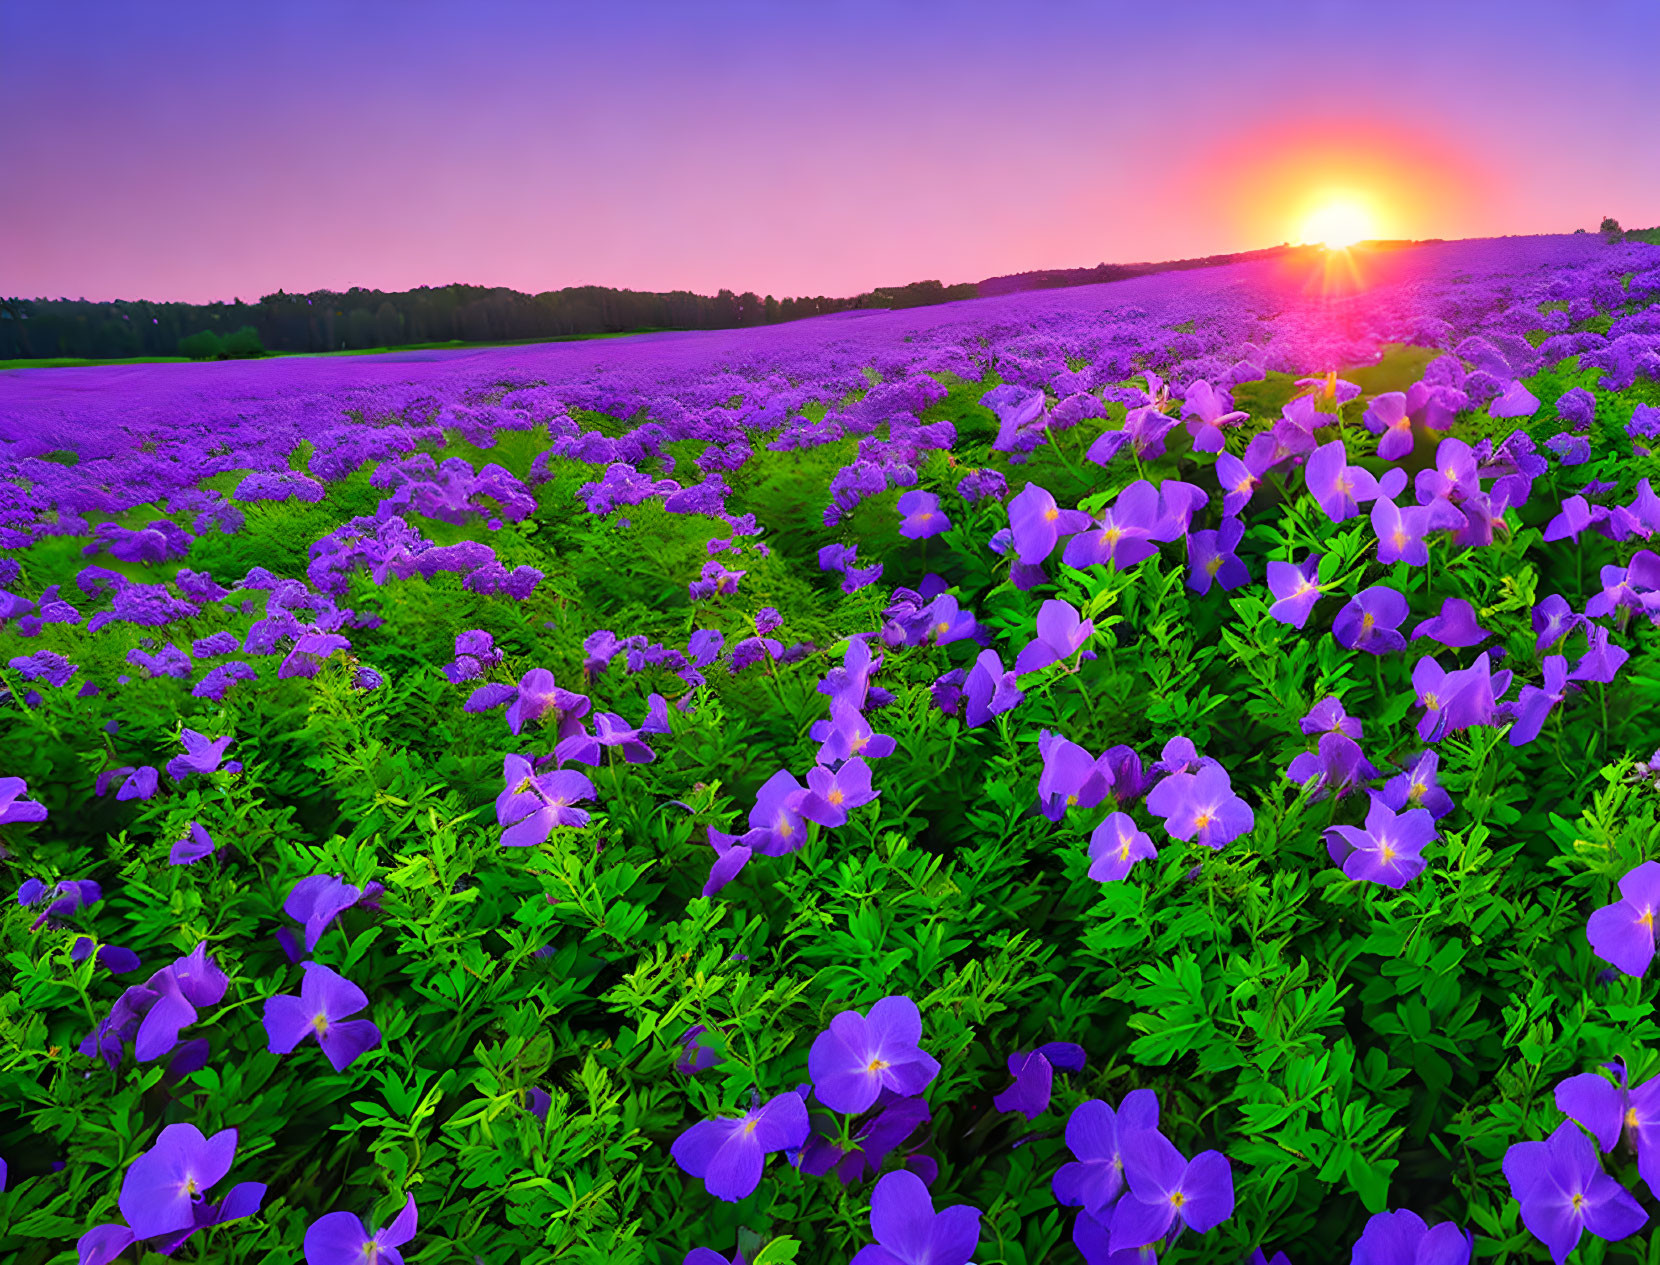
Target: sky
[193,152]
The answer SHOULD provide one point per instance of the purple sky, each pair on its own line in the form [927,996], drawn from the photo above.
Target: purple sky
[212,151]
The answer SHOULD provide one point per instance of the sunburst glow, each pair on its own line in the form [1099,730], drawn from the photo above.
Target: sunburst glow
[1339,222]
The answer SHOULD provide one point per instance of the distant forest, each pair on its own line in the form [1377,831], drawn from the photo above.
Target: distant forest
[359,319]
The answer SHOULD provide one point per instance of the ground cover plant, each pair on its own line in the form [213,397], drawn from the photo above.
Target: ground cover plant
[1155,771]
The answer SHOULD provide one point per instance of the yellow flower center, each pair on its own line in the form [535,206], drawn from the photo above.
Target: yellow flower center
[1124,852]
[320,1022]
[749,1125]
[785,829]
[1111,534]
[1631,1117]
[1177,1199]
[1051,514]
[1399,537]
[1388,854]
[1366,622]
[1213,564]
[835,796]
[1431,702]
[1202,820]
[942,628]
[876,1065]
[1578,1200]
[1647,920]
[1417,791]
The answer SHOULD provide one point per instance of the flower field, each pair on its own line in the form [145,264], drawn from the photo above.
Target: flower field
[1156,771]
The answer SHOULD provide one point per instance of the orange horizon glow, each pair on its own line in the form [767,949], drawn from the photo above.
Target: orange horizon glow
[1338,220]
[1338,182]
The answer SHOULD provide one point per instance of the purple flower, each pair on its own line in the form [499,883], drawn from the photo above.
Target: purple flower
[1611,1112]
[1600,662]
[1388,851]
[192,848]
[883,1132]
[1201,806]
[1034,1077]
[1328,716]
[1401,532]
[326,999]
[1370,621]
[341,1238]
[1416,787]
[1564,1192]
[475,654]
[1240,478]
[775,825]
[1403,1238]
[1457,700]
[136,783]
[318,900]
[73,896]
[165,1189]
[1517,401]
[731,855]
[708,1256]
[1336,485]
[1455,626]
[1094,1178]
[151,1014]
[1124,535]
[921,517]
[1115,846]
[1296,588]
[1574,450]
[858,1056]
[1623,933]
[1535,702]
[1208,411]
[1339,765]
[1211,557]
[1060,634]
[1168,1191]
[848,734]
[729,1153]
[948,623]
[829,795]
[45,665]
[532,804]
[909,1232]
[14,809]
[1071,776]
[202,755]
[1392,414]
[990,690]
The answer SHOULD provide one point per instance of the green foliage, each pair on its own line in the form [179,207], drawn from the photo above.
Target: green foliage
[203,345]
[1350,1048]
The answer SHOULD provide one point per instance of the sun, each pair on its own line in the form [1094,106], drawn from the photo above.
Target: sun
[1339,222]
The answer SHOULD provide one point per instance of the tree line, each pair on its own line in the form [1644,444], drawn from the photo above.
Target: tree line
[325,320]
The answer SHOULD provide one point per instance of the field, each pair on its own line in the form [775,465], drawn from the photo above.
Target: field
[1165,770]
